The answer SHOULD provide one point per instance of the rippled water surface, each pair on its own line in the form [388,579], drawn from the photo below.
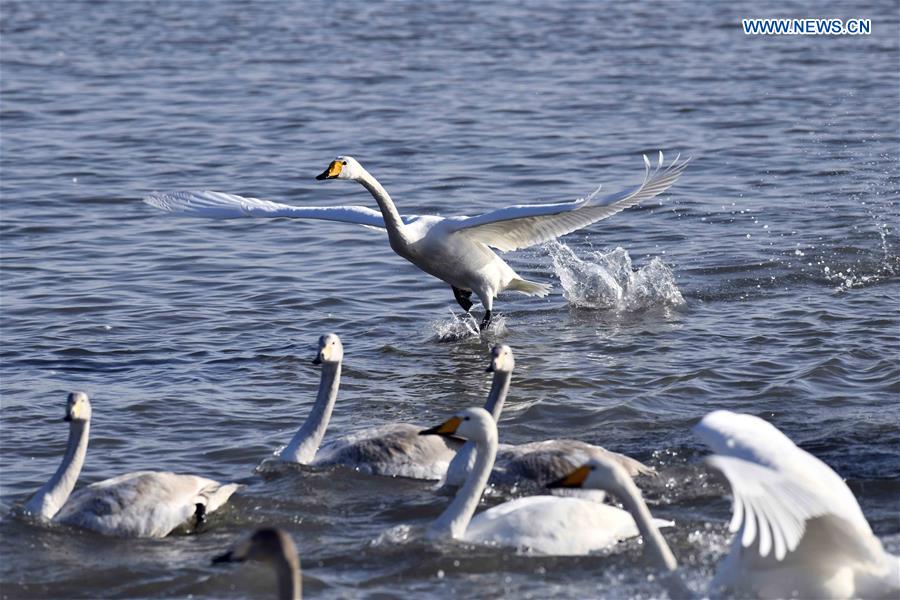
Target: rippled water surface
[765,281]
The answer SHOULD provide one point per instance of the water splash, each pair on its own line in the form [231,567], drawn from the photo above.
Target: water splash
[465,326]
[609,282]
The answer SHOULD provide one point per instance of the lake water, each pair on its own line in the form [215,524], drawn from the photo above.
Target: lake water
[765,281]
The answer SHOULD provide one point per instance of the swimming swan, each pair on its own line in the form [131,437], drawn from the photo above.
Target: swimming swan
[539,462]
[799,530]
[275,547]
[394,450]
[456,250]
[139,504]
[542,524]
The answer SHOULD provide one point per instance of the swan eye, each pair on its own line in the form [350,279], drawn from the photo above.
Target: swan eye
[344,162]
[465,418]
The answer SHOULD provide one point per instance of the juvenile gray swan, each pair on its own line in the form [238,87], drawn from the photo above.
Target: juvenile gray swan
[139,504]
[538,462]
[394,450]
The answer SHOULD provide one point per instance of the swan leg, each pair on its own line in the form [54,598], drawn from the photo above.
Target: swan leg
[463,297]
[487,301]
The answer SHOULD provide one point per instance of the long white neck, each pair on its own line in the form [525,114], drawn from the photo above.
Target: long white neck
[463,461]
[289,583]
[305,443]
[654,543]
[392,221]
[454,520]
[51,497]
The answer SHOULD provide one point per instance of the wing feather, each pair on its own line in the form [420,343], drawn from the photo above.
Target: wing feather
[778,487]
[517,227]
[219,205]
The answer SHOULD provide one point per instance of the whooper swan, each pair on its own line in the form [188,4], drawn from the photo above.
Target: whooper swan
[139,504]
[456,250]
[394,450]
[540,524]
[538,462]
[799,530]
[275,547]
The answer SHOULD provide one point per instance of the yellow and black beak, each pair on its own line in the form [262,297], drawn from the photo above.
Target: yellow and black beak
[333,170]
[575,479]
[445,429]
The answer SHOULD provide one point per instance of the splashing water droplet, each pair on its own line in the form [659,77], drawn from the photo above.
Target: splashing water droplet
[608,281]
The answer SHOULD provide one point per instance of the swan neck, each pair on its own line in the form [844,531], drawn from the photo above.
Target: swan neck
[392,221]
[455,519]
[53,495]
[289,582]
[497,396]
[305,443]
[654,543]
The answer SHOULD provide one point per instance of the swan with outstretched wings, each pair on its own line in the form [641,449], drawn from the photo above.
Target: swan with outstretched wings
[456,250]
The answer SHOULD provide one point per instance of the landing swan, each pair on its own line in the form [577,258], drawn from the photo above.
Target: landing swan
[275,547]
[456,250]
[799,530]
[139,504]
[393,450]
[542,524]
[538,462]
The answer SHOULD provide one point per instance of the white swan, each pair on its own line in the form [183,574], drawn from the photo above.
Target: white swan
[394,450]
[456,250]
[538,462]
[140,504]
[542,524]
[275,547]
[800,531]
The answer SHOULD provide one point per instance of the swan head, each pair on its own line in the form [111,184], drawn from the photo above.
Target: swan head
[78,407]
[266,544]
[596,474]
[475,424]
[331,351]
[502,359]
[342,167]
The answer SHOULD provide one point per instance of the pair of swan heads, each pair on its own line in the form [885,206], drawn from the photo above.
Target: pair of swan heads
[78,407]
[342,167]
[331,351]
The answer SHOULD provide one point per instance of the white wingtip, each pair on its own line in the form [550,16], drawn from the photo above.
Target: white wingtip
[646,162]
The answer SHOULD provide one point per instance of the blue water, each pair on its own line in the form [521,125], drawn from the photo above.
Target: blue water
[765,281]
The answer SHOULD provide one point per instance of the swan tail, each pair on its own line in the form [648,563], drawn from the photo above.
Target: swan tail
[530,288]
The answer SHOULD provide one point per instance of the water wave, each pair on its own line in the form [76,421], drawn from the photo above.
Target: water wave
[607,281]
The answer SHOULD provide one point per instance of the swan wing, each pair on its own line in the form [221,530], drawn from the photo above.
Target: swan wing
[517,227]
[219,205]
[552,525]
[550,460]
[143,504]
[778,487]
[395,450]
